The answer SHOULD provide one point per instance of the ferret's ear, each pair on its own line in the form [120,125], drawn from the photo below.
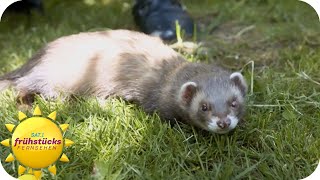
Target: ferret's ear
[239,81]
[187,92]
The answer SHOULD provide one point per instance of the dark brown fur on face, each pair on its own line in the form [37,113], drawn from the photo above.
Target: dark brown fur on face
[140,69]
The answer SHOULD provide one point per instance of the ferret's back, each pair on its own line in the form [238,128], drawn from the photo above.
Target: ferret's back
[112,42]
[87,62]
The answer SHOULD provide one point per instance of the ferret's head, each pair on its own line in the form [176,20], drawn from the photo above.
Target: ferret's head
[214,103]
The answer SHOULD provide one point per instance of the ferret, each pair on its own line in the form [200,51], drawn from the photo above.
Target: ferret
[138,68]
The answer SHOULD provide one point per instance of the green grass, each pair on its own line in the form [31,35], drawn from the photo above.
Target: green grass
[279,139]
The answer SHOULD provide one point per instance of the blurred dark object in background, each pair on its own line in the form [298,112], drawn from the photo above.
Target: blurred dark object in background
[26,6]
[158,18]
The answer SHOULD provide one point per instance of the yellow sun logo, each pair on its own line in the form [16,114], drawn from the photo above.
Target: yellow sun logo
[37,142]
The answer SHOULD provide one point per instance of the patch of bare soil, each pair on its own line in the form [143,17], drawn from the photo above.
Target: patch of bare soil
[233,44]
[236,44]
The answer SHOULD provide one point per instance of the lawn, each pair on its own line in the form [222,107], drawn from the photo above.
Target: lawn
[275,43]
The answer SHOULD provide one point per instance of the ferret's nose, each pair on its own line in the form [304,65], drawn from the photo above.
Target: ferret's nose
[224,123]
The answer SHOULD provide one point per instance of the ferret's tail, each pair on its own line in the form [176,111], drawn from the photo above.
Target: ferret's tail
[4,84]
[8,79]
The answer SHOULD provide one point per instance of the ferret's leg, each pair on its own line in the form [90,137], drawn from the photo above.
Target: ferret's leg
[35,84]
[26,98]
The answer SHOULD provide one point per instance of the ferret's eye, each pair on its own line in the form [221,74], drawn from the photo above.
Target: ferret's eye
[234,104]
[204,107]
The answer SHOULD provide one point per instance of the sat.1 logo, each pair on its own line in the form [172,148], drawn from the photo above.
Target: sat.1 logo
[36,143]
